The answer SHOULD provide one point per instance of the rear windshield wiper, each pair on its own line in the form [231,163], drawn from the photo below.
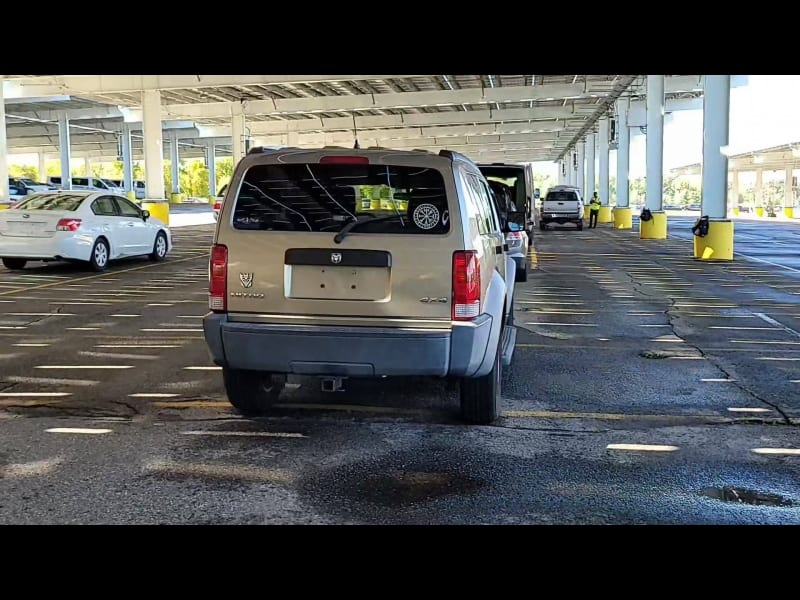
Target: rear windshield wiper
[350,225]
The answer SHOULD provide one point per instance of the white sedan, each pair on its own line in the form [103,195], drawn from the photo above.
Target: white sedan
[88,226]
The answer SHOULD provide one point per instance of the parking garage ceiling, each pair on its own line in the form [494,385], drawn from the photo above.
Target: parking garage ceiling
[488,117]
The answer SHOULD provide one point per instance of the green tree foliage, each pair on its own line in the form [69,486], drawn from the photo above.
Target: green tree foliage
[23,171]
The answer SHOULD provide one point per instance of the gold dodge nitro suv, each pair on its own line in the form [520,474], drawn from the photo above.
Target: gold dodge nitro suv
[342,263]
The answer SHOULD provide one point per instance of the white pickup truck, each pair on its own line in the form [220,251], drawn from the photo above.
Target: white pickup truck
[563,204]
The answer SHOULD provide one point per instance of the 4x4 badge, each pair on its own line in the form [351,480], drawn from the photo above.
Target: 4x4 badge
[246,279]
[336,258]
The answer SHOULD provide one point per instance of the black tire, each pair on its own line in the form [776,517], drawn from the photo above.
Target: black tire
[251,392]
[522,274]
[100,255]
[542,226]
[480,396]
[580,225]
[14,264]
[160,247]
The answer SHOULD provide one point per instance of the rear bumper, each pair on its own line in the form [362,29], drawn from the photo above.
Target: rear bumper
[562,218]
[52,248]
[347,351]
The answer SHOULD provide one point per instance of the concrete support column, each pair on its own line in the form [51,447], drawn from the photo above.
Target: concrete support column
[154,156]
[717,244]
[590,179]
[153,144]
[623,217]
[127,158]
[212,168]
[760,192]
[571,172]
[655,228]
[581,181]
[63,146]
[237,132]
[3,147]
[174,161]
[788,192]
[605,215]
[42,167]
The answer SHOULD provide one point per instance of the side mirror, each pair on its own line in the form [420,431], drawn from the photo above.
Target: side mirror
[145,214]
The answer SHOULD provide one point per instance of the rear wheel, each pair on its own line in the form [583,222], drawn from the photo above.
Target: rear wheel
[251,392]
[159,247]
[480,396]
[580,225]
[542,225]
[14,264]
[99,258]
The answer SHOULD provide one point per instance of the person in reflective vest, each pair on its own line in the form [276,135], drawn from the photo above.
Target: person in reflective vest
[594,211]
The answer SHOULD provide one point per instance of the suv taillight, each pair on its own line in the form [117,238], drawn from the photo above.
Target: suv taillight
[217,205]
[466,285]
[68,225]
[218,279]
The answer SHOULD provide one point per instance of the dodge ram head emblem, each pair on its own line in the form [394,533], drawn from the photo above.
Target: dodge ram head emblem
[246,279]
[336,258]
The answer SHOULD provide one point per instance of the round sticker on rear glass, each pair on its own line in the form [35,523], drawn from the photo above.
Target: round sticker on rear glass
[426,216]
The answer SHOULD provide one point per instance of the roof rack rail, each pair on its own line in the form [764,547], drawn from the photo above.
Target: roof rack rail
[453,155]
[264,149]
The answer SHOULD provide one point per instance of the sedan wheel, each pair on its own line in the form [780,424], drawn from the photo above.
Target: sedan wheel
[99,258]
[159,247]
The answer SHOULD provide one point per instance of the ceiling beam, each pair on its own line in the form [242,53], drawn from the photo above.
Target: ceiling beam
[397,100]
[116,84]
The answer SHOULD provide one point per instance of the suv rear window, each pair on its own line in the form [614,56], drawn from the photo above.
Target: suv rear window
[324,197]
[562,197]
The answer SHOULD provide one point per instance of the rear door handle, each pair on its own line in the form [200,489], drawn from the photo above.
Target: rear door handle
[499,249]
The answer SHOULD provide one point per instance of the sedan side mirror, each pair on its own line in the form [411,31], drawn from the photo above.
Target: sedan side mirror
[145,214]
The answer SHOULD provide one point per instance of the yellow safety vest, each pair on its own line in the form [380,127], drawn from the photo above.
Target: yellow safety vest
[595,206]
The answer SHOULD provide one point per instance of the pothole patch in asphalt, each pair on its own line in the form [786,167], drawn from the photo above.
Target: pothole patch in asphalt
[654,355]
[746,496]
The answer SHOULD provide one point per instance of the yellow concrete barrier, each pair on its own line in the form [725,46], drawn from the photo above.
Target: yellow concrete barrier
[788,211]
[655,228]
[605,215]
[176,198]
[623,217]
[4,206]
[159,210]
[586,210]
[717,244]
[759,211]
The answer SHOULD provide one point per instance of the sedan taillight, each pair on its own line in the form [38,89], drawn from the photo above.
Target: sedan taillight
[68,225]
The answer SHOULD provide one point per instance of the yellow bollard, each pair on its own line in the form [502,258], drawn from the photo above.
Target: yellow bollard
[623,217]
[759,211]
[586,211]
[655,228]
[736,212]
[605,215]
[159,210]
[788,211]
[717,244]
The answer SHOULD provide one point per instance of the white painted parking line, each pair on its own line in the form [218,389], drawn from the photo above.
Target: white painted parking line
[116,355]
[13,327]
[50,381]
[34,394]
[137,346]
[775,358]
[158,304]
[153,395]
[717,379]
[167,330]
[39,314]
[82,328]
[747,409]
[81,430]
[84,367]
[772,321]
[778,451]
[120,315]
[204,368]
[274,434]
[31,345]
[642,447]
[564,324]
